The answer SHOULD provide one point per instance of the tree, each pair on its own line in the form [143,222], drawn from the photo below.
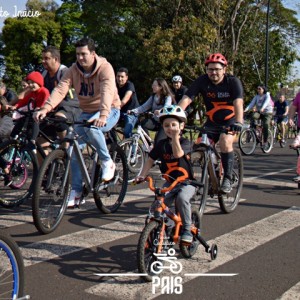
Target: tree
[24,40]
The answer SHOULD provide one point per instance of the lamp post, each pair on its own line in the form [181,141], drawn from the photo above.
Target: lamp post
[267,47]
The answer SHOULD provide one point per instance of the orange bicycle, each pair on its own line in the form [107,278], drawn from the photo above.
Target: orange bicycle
[162,232]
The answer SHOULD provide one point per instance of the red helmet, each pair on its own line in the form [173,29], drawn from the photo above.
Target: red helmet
[216,58]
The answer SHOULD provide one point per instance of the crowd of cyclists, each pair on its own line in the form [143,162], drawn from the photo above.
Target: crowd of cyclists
[90,91]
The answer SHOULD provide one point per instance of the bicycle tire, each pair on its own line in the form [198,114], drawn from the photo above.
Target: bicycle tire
[23,166]
[228,202]
[11,268]
[109,196]
[135,163]
[270,142]
[50,197]
[200,197]
[188,251]
[146,249]
[247,141]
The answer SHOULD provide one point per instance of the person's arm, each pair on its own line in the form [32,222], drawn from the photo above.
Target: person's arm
[286,112]
[185,102]
[238,110]
[148,165]
[292,112]
[126,98]
[251,104]
[267,102]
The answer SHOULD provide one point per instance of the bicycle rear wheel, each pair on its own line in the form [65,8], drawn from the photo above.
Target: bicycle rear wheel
[50,196]
[135,159]
[247,141]
[23,168]
[109,196]
[11,268]
[188,251]
[228,202]
[200,197]
[147,246]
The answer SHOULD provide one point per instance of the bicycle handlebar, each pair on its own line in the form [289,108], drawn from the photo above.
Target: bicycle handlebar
[164,190]
[212,130]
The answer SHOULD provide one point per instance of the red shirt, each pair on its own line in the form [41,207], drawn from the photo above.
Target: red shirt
[40,96]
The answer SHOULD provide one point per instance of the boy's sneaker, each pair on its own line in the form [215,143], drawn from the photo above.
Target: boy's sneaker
[226,186]
[297,178]
[296,142]
[74,198]
[108,170]
[186,237]
[7,180]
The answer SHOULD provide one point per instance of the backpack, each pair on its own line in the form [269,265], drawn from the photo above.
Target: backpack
[59,73]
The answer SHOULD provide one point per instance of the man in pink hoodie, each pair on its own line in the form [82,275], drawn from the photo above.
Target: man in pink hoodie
[93,79]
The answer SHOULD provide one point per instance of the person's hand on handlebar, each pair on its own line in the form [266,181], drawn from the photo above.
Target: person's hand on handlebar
[236,127]
[139,179]
[40,114]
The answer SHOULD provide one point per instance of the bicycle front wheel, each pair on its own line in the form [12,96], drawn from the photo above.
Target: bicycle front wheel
[50,196]
[109,196]
[147,246]
[269,143]
[11,268]
[247,141]
[200,197]
[23,169]
[228,202]
[135,157]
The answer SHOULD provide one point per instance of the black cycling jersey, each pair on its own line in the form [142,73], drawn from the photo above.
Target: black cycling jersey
[174,167]
[133,101]
[218,99]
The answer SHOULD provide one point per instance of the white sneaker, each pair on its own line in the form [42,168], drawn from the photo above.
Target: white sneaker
[74,198]
[108,170]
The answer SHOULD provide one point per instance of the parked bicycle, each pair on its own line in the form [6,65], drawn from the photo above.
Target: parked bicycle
[137,148]
[277,133]
[22,163]
[159,235]
[208,169]
[52,188]
[11,269]
[251,136]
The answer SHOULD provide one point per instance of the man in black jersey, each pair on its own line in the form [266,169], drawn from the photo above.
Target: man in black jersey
[222,94]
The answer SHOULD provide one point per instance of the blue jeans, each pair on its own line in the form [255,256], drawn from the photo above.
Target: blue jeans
[129,123]
[95,136]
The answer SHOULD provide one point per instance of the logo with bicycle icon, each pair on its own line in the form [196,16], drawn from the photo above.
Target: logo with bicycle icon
[166,284]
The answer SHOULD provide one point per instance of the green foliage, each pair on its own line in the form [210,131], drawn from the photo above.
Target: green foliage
[160,38]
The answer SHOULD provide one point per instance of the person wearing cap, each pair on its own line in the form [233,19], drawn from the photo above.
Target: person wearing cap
[173,154]
[35,98]
[222,94]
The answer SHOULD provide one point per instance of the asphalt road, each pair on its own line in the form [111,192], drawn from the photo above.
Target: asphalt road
[259,245]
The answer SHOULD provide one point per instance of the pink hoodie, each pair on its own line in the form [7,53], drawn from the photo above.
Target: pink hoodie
[96,91]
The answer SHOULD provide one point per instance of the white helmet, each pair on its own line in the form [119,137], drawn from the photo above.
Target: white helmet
[173,111]
[177,78]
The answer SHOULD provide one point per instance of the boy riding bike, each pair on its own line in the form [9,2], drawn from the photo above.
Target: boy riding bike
[173,153]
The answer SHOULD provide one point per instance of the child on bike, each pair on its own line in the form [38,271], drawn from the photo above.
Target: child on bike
[173,153]
[38,94]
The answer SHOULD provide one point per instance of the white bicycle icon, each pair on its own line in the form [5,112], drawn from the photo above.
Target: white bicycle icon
[158,266]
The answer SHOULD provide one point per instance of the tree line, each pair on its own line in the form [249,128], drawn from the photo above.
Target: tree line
[159,38]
